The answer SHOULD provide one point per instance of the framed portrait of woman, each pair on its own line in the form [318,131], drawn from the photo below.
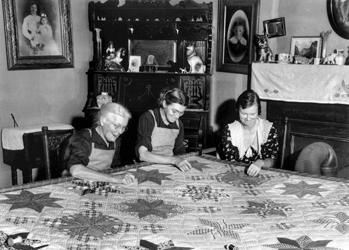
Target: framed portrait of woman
[237,25]
[38,34]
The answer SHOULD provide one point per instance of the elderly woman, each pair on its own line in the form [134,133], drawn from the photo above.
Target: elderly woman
[96,149]
[160,133]
[250,139]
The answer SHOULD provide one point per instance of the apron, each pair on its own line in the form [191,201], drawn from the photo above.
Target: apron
[100,159]
[163,139]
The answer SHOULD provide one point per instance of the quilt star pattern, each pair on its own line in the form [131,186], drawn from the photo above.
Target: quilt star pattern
[213,205]
[302,189]
[151,175]
[151,209]
[302,243]
[27,199]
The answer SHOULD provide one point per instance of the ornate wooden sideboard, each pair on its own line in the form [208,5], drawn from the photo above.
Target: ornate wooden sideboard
[146,28]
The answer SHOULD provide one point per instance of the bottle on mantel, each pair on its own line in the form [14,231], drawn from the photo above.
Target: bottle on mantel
[103,98]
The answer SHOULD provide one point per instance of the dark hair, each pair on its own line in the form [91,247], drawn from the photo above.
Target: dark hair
[174,95]
[239,22]
[42,17]
[247,99]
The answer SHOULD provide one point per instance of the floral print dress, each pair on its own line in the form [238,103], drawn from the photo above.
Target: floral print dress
[268,150]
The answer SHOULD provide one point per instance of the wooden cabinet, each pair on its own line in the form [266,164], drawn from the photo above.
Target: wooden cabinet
[139,92]
[150,28]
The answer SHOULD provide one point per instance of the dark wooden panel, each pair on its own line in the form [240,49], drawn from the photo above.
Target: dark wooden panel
[324,122]
[277,110]
[140,92]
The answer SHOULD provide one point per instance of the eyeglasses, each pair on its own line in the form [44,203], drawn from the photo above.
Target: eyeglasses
[176,112]
[118,127]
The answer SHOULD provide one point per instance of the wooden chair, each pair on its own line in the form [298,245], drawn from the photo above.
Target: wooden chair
[53,141]
[318,130]
[193,132]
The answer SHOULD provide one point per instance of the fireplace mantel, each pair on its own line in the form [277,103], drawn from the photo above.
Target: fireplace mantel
[324,84]
[306,92]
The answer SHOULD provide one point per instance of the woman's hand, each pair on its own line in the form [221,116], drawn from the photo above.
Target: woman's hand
[182,165]
[255,167]
[123,178]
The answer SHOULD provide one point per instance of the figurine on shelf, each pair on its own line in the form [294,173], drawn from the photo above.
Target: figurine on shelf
[114,63]
[195,62]
[110,50]
[330,59]
[150,63]
[324,35]
[335,58]
[265,55]
[347,60]
[340,60]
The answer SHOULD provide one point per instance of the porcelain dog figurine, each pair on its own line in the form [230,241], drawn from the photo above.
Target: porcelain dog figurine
[264,52]
[195,62]
[330,59]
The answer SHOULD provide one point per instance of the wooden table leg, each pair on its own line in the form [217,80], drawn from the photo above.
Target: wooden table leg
[14,175]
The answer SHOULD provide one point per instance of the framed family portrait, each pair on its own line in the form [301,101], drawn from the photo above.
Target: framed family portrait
[274,27]
[38,34]
[237,25]
[338,15]
[306,46]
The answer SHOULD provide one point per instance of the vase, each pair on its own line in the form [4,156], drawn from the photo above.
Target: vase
[103,98]
[340,59]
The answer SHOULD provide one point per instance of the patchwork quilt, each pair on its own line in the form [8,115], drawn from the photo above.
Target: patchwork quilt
[214,206]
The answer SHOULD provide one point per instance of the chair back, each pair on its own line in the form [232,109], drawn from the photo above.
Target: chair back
[318,158]
[318,130]
[193,132]
[53,141]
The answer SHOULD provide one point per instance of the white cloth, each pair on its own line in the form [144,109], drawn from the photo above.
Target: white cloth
[12,138]
[301,83]
[236,133]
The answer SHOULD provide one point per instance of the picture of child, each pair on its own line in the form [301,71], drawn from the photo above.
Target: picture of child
[44,38]
[238,44]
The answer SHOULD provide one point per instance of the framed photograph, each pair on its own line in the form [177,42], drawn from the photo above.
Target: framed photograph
[337,11]
[306,46]
[134,63]
[38,34]
[275,27]
[237,25]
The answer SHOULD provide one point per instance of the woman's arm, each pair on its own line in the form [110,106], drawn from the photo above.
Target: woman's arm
[269,154]
[145,155]
[179,147]
[84,173]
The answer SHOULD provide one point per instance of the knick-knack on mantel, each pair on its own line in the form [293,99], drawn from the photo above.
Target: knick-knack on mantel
[103,98]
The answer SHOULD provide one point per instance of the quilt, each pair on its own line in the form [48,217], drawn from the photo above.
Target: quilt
[213,206]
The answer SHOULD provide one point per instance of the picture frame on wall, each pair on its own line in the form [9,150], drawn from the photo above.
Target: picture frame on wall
[38,34]
[337,12]
[306,46]
[275,27]
[237,26]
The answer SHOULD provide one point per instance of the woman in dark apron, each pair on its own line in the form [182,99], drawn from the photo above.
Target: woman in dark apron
[160,133]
